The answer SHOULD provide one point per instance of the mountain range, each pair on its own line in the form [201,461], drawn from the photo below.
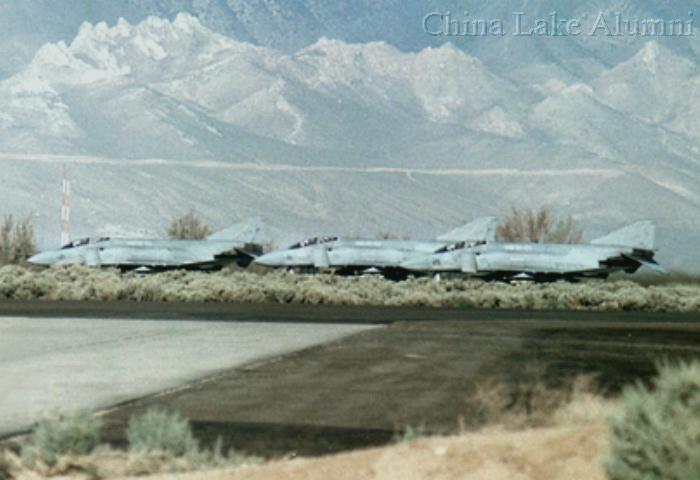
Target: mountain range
[324,119]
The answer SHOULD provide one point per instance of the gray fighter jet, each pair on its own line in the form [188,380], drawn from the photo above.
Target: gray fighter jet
[625,250]
[350,257]
[238,244]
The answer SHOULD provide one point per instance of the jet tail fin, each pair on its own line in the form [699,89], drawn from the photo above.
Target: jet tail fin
[651,264]
[248,231]
[481,229]
[640,235]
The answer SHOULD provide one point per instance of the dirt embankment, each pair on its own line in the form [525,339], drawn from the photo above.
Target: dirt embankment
[563,453]
[572,448]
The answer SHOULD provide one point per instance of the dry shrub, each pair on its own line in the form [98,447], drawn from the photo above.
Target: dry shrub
[102,462]
[16,240]
[159,443]
[538,226]
[188,227]
[530,402]
[157,431]
[57,436]
[76,282]
[655,434]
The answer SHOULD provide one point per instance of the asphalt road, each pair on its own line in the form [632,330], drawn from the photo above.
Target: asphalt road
[344,391]
[70,364]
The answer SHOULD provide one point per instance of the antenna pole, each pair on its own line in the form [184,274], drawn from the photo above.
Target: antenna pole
[65,207]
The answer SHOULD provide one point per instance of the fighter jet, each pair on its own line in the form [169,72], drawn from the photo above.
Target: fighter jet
[238,244]
[625,250]
[350,257]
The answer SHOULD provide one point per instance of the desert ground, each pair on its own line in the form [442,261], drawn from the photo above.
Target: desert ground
[336,404]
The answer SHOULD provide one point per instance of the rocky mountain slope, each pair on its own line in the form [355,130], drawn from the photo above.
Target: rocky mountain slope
[160,116]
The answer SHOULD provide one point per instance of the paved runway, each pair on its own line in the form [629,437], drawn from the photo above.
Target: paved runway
[421,371]
[68,364]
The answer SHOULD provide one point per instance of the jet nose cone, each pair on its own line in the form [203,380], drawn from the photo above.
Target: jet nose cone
[43,259]
[273,259]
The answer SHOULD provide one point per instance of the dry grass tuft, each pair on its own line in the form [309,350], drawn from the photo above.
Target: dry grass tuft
[531,403]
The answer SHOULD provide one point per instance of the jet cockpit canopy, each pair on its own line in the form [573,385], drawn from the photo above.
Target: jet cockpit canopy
[84,241]
[452,247]
[459,246]
[313,241]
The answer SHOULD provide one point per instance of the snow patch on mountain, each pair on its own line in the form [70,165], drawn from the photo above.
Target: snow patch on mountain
[653,85]
[261,91]
[498,122]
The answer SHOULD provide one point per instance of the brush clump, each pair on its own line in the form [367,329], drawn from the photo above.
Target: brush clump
[59,435]
[66,283]
[655,433]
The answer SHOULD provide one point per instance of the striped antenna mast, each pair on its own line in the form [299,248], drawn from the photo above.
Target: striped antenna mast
[65,207]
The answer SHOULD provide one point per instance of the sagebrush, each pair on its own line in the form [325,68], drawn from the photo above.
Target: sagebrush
[655,435]
[159,442]
[71,283]
[59,435]
[158,431]
[160,438]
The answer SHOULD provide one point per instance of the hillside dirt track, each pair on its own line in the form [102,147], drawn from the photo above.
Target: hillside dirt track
[419,370]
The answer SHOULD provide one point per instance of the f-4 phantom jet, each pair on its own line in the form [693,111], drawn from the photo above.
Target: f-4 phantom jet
[625,250]
[238,244]
[350,257]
